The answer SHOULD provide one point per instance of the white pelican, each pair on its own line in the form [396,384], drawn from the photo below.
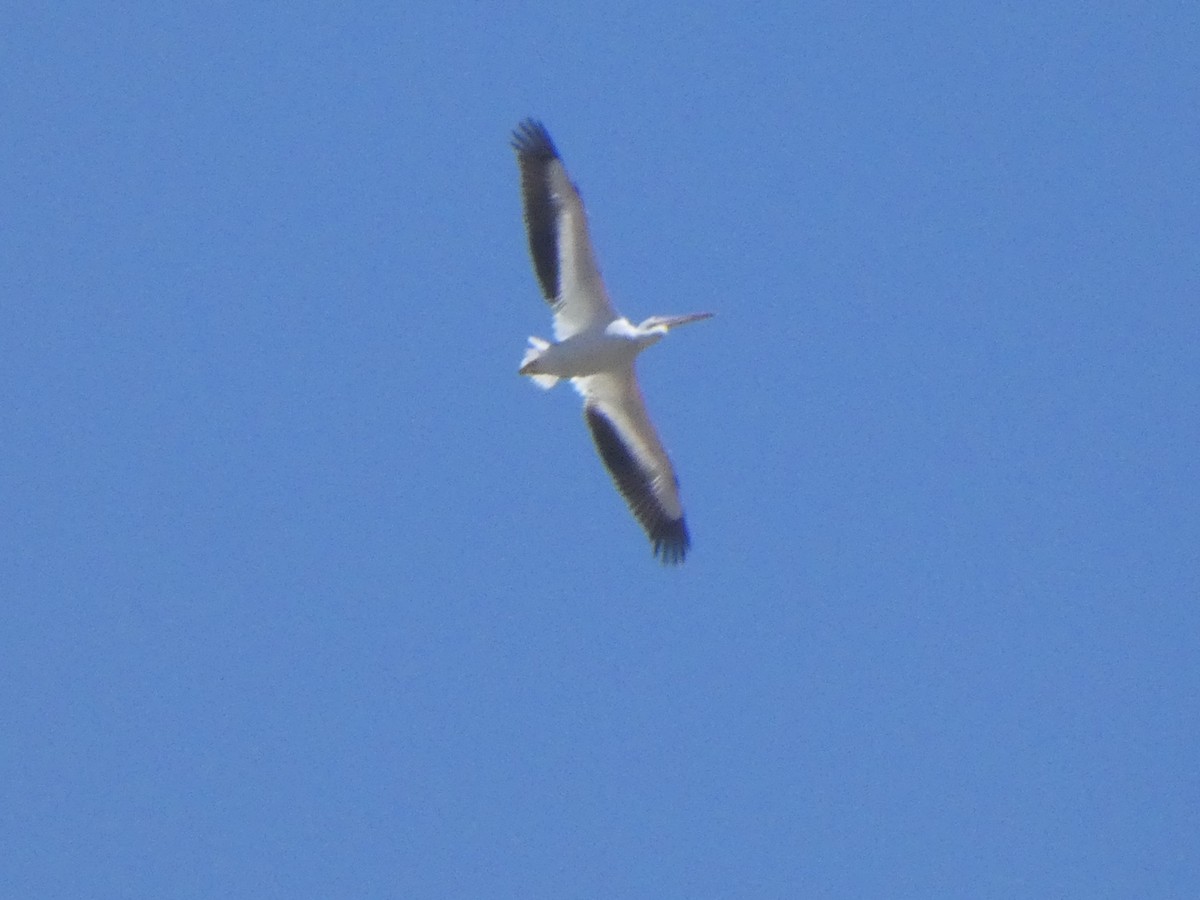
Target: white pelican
[594,346]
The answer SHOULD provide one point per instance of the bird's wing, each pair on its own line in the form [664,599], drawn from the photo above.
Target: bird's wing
[640,467]
[558,235]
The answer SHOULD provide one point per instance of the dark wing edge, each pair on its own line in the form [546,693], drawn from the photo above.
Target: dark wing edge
[535,154]
[669,536]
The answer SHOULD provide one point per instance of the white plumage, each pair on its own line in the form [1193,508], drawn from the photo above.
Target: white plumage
[594,347]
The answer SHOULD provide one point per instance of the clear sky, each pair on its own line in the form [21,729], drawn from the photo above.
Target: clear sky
[305,593]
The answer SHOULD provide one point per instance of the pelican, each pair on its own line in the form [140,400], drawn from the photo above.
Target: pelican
[594,346]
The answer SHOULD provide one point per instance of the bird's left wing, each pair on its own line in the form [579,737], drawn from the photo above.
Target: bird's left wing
[558,235]
[636,459]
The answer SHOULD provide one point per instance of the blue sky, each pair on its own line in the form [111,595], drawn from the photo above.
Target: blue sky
[307,593]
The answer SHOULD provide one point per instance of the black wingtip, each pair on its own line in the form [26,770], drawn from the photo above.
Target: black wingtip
[671,542]
[530,138]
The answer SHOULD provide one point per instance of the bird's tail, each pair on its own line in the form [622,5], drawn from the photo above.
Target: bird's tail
[536,346]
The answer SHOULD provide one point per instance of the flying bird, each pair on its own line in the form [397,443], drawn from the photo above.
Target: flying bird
[594,346]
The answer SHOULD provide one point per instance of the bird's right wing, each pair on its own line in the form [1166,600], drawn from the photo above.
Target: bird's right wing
[558,235]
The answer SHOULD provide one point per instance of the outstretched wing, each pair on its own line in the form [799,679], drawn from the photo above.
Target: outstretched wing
[640,467]
[558,235]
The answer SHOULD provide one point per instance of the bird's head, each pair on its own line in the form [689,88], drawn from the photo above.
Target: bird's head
[660,325]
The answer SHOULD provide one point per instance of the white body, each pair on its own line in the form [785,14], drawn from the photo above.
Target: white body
[610,348]
[595,347]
